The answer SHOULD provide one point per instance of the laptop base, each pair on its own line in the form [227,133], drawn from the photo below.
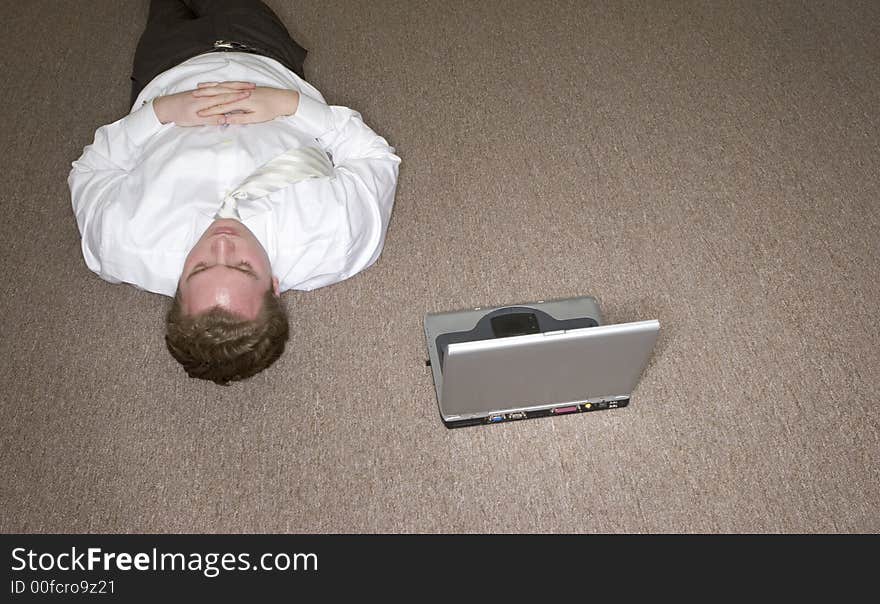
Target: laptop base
[500,418]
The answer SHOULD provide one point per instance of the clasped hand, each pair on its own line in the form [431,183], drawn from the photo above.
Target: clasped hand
[218,103]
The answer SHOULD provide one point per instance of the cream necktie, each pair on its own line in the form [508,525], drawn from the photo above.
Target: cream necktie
[279,172]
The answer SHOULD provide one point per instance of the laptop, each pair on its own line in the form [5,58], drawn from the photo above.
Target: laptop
[545,358]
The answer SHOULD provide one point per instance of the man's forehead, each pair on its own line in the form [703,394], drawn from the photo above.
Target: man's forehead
[239,295]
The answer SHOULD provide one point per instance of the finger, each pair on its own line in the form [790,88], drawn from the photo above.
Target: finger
[239,85]
[223,100]
[212,91]
[226,107]
[242,118]
[215,91]
[235,96]
[218,120]
[207,84]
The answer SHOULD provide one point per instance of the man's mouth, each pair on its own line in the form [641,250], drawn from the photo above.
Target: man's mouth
[224,231]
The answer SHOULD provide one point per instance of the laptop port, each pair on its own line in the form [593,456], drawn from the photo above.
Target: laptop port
[494,419]
[562,410]
[517,415]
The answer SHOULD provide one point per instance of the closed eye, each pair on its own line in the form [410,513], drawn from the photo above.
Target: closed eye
[246,268]
[197,269]
[243,266]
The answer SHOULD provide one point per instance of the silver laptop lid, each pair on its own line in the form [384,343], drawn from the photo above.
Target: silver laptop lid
[543,370]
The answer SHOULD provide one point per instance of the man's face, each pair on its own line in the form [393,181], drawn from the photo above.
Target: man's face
[227,268]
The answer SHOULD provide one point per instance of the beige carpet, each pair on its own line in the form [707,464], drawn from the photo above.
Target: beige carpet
[711,165]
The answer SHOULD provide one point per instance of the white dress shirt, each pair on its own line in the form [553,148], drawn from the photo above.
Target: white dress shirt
[143,192]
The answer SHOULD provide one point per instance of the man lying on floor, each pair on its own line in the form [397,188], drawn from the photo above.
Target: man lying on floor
[230,181]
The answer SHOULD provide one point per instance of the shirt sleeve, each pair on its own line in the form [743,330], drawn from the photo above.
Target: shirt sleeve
[98,175]
[361,191]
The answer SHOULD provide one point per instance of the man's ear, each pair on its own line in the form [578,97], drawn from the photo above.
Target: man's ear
[276,287]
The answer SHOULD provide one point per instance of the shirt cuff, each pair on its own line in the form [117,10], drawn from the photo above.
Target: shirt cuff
[313,116]
[142,123]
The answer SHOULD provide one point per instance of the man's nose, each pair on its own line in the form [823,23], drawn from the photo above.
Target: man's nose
[222,247]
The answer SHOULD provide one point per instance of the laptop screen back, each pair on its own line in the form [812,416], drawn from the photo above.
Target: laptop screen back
[545,369]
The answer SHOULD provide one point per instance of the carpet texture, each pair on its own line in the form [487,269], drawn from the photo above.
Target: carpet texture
[710,165]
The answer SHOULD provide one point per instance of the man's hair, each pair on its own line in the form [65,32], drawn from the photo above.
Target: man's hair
[220,346]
